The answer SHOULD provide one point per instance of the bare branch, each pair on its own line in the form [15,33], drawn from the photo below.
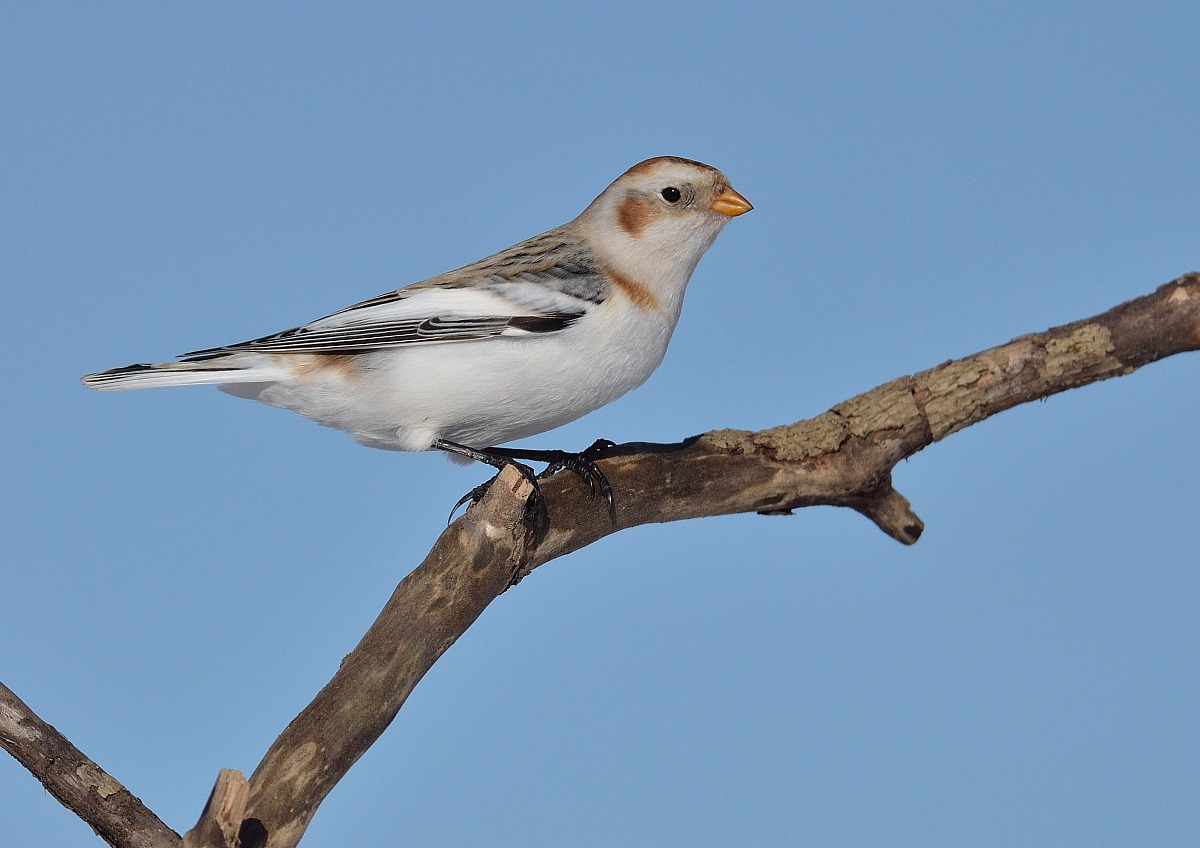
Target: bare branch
[472,563]
[220,823]
[843,457]
[78,783]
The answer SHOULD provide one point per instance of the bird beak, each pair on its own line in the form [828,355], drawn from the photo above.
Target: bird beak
[730,203]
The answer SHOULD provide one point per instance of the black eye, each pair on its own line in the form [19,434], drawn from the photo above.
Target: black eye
[671,194]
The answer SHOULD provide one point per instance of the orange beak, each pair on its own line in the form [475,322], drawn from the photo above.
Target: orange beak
[730,203]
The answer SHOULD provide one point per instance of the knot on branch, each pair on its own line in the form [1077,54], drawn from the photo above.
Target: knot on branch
[892,514]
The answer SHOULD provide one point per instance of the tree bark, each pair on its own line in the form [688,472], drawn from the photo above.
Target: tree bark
[79,784]
[843,457]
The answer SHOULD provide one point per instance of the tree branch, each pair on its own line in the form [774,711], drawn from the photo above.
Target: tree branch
[220,822]
[79,784]
[843,457]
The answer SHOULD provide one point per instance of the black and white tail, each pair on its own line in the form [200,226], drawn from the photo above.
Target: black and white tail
[215,371]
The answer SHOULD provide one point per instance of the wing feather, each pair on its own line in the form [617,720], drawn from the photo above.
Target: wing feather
[542,285]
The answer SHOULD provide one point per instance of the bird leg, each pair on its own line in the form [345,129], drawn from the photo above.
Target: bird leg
[535,516]
[582,463]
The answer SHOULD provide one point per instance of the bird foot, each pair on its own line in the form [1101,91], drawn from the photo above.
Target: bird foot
[582,463]
[535,517]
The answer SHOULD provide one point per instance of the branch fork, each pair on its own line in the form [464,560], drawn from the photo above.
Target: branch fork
[843,457]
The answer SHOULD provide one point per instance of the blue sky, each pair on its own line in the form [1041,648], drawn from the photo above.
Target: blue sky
[183,570]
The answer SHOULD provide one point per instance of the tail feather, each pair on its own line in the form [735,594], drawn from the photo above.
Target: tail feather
[202,373]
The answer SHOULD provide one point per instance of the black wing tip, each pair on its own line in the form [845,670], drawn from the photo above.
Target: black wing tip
[201,355]
[102,380]
[115,373]
[543,323]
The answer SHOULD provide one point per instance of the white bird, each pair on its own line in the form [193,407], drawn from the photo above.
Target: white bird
[521,342]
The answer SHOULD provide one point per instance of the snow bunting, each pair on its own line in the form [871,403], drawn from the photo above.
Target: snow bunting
[521,342]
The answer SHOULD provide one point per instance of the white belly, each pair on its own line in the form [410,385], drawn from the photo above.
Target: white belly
[481,393]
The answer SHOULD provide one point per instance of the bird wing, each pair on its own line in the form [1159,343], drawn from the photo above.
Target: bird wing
[539,286]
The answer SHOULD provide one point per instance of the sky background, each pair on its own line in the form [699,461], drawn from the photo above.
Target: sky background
[183,570]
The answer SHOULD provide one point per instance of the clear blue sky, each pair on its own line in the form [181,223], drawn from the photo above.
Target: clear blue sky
[183,570]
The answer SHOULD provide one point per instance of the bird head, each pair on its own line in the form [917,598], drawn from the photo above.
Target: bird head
[658,218]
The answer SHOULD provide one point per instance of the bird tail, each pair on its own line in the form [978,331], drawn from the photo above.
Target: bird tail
[219,370]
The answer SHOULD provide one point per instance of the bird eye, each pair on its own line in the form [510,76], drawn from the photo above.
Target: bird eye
[671,194]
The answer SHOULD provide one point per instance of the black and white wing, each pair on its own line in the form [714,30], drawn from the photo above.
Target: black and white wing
[543,285]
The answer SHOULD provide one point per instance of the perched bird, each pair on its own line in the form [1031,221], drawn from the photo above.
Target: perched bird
[521,342]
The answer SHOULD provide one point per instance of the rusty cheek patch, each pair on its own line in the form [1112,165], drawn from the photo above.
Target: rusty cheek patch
[633,214]
[318,364]
[641,296]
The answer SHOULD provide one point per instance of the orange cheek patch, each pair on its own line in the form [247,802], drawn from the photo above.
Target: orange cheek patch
[633,214]
[641,296]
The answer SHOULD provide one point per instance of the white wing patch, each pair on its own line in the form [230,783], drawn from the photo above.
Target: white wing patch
[422,315]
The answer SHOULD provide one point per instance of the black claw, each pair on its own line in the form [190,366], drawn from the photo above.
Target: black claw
[581,463]
[473,496]
[593,476]
[536,517]
[594,450]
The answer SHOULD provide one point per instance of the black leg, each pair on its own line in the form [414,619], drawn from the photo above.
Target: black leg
[535,509]
[582,463]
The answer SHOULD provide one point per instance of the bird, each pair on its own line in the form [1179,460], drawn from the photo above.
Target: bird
[510,346]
